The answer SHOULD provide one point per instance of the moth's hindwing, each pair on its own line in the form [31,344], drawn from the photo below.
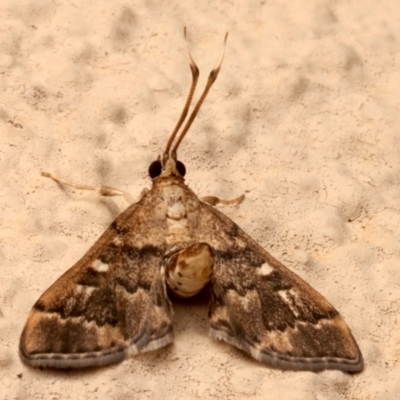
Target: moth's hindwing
[112,303]
[261,307]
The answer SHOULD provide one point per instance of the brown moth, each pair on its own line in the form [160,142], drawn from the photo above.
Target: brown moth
[114,302]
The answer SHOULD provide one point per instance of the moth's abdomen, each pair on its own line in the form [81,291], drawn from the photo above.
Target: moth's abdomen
[189,270]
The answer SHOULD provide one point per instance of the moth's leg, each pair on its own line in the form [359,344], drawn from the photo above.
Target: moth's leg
[216,200]
[189,270]
[102,190]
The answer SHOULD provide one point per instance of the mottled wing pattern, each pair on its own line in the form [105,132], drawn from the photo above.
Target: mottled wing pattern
[261,307]
[112,303]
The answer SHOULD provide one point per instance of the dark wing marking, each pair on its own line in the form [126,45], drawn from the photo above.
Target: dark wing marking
[261,307]
[110,304]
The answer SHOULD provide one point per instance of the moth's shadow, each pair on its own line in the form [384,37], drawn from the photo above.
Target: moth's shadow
[191,319]
[191,313]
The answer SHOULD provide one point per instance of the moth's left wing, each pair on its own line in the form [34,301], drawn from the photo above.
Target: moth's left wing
[261,307]
[110,304]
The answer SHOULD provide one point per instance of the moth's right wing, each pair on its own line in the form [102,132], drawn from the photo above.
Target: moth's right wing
[261,307]
[111,304]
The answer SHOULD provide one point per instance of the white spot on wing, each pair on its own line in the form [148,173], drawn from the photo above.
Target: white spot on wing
[246,302]
[292,300]
[118,241]
[100,266]
[83,292]
[265,269]
[90,290]
[87,290]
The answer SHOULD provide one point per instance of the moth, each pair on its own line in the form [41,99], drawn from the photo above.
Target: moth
[115,301]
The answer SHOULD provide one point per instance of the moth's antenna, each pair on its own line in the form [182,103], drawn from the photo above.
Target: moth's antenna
[211,79]
[195,78]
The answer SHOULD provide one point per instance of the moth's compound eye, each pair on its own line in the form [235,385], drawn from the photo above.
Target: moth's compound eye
[155,169]
[180,166]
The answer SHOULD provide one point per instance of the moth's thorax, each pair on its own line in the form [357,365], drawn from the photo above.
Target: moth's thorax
[179,209]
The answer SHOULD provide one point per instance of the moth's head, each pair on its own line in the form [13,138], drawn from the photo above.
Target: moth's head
[168,164]
[167,167]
